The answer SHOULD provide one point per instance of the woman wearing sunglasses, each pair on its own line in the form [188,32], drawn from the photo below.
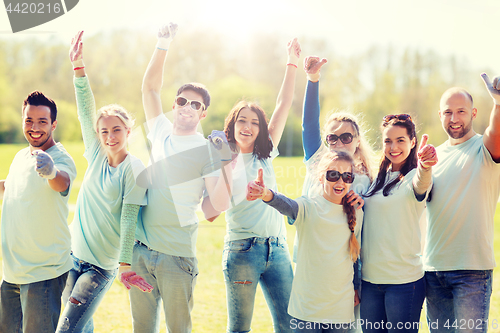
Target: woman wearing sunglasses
[254,230]
[329,227]
[103,229]
[392,275]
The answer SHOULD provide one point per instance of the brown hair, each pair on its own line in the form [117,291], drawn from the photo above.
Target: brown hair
[37,98]
[349,210]
[263,145]
[197,88]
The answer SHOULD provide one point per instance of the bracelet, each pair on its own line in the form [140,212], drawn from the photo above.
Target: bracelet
[77,68]
[290,64]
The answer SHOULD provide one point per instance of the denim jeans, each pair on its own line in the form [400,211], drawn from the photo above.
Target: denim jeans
[247,262]
[392,307]
[300,326]
[173,279]
[458,300]
[32,307]
[87,284]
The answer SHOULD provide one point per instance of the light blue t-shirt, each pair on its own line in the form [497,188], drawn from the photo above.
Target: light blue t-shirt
[460,225]
[391,248]
[322,289]
[95,230]
[247,219]
[35,237]
[176,173]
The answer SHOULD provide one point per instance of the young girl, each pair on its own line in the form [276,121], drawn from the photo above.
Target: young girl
[103,228]
[322,298]
[253,229]
[392,274]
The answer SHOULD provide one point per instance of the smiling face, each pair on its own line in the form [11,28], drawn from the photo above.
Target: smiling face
[335,191]
[185,118]
[456,114]
[113,135]
[340,127]
[397,145]
[37,127]
[246,130]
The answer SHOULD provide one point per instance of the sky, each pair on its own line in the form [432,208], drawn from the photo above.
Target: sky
[467,29]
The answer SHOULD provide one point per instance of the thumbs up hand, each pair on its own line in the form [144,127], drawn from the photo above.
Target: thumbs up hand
[426,155]
[256,188]
[493,87]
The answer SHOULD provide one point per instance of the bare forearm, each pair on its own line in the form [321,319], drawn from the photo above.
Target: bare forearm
[2,188]
[152,83]
[221,192]
[61,182]
[422,179]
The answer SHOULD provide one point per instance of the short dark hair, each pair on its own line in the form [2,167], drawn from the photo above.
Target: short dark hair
[197,88]
[263,145]
[37,98]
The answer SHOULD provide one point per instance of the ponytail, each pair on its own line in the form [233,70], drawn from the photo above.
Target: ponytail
[350,211]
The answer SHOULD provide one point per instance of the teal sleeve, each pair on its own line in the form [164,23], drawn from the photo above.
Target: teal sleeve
[128,224]
[86,109]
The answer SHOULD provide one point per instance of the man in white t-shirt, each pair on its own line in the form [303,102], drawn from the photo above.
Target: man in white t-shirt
[459,257]
[35,237]
[183,165]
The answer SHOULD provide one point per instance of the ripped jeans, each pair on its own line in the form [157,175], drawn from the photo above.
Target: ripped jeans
[86,285]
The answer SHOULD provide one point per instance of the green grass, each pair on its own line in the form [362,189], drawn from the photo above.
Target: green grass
[209,313]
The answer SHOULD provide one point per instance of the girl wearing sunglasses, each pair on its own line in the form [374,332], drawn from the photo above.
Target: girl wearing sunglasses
[392,273]
[328,226]
[103,228]
[253,229]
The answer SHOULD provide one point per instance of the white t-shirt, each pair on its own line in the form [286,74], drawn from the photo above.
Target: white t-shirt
[36,242]
[460,223]
[322,289]
[169,224]
[391,246]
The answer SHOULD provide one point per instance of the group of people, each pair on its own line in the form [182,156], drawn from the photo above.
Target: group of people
[357,249]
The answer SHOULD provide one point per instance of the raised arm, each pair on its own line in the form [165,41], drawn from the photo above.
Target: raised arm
[285,96]
[491,138]
[427,158]
[311,133]
[84,98]
[153,78]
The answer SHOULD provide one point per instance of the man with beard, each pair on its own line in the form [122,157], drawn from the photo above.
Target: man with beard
[35,234]
[181,167]
[459,257]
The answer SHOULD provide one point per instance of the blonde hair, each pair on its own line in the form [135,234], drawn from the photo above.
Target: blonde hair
[349,210]
[117,111]
[363,156]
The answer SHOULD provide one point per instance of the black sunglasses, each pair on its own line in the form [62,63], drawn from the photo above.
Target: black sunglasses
[345,138]
[195,105]
[403,117]
[334,175]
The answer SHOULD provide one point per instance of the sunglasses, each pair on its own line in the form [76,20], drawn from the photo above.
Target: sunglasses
[403,117]
[345,138]
[334,175]
[195,105]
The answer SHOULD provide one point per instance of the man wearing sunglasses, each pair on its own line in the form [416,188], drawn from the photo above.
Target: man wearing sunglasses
[182,166]
[459,256]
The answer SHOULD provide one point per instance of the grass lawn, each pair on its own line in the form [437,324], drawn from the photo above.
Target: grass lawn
[209,314]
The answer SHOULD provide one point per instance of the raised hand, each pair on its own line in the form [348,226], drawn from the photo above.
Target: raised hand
[219,141]
[76,50]
[165,36]
[354,199]
[293,49]
[312,67]
[426,155]
[130,278]
[45,165]
[256,188]
[493,88]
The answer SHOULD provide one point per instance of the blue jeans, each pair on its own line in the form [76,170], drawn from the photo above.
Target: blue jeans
[458,300]
[173,279]
[32,307]
[85,288]
[300,326]
[247,262]
[392,307]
